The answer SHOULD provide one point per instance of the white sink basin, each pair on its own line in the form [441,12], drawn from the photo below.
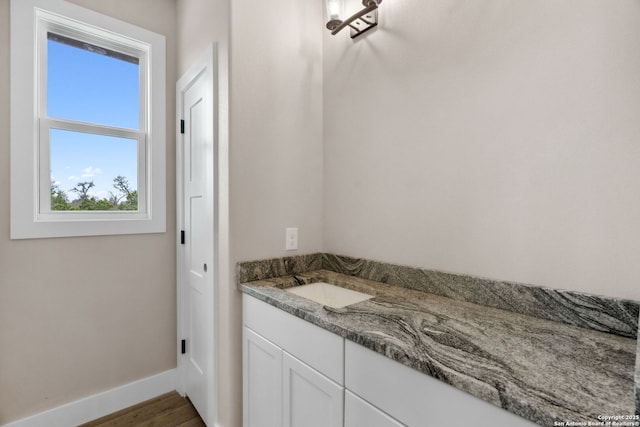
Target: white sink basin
[326,294]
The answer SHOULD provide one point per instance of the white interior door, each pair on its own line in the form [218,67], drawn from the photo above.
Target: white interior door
[195,153]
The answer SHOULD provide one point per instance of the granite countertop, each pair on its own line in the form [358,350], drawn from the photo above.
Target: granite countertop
[540,369]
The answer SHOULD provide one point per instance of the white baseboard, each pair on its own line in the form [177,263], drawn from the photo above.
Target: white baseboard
[101,404]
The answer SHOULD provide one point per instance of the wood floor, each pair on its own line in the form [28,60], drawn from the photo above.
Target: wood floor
[168,410]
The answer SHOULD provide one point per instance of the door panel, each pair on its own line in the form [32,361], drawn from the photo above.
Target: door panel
[309,398]
[197,203]
[262,381]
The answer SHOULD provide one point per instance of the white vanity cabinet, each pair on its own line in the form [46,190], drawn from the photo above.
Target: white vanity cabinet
[414,399]
[293,371]
[296,374]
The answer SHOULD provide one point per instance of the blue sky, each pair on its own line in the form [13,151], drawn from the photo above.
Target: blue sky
[90,87]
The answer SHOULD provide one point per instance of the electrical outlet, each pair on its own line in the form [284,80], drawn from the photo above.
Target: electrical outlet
[291,242]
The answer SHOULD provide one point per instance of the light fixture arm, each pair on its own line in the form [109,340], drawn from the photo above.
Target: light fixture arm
[359,22]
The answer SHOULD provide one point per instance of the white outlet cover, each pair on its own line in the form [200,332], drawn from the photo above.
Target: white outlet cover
[291,236]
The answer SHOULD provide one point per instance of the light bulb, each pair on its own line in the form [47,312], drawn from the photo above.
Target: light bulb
[333,9]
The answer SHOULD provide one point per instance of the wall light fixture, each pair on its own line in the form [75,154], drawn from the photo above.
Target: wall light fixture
[360,22]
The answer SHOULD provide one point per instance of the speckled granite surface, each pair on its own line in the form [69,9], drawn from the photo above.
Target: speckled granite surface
[638,377]
[275,267]
[599,313]
[542,370]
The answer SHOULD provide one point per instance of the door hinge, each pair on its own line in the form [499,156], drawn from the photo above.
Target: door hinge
[182,237]
[183,346]
[181,126]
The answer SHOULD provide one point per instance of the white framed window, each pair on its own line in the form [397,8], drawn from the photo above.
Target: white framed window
[87,123]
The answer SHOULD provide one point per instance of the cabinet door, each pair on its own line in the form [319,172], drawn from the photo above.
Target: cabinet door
[310,398]
[358,413]
[262,381]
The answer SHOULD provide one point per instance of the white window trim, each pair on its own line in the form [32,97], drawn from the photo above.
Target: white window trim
[28,219]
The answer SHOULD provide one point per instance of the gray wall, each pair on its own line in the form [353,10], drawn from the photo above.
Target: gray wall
[83,315]
[272,122]
[497,138]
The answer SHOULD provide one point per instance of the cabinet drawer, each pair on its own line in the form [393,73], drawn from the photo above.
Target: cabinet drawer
[358,413]
[416,399]
[313,345]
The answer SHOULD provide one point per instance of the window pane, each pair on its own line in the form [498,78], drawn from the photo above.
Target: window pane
[93,172]
[90,84]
